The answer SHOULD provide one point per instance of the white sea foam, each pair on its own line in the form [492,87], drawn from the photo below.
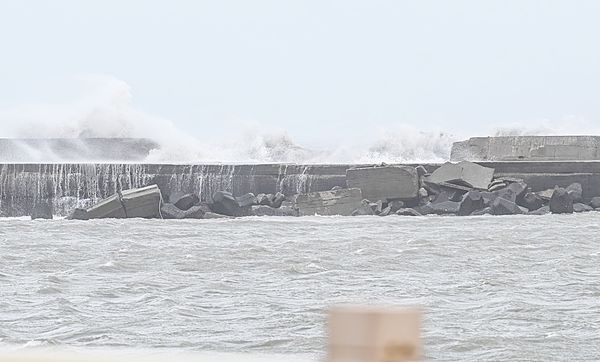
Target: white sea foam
[106,109]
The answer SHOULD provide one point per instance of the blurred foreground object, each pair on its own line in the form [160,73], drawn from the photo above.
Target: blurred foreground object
[370,334]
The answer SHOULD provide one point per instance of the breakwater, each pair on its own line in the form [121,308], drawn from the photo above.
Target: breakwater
[68,186]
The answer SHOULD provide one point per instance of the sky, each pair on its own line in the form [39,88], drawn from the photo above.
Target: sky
[321,71]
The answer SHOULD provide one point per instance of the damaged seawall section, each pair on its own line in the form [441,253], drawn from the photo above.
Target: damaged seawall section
[67,186]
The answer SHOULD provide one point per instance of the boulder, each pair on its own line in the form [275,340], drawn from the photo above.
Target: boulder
[246,200]
[338,202]
[225,204]
[546,194]
[421,171]
[266,200]
[278,199]
[497,186]
[43,209]
[408,212]
[364,209]
[109,208]
[386,211]
[512,192]
[396,205]
[575,191]
[579,207]
[464,173]
[376,207]
[79,214]
[335,188]
[502,206]
[186,201]
[541,211]
[561,202]
[595,203]
[445,207]
[213,215]
[481,212]
[262,210]
[384,183]
[531,201]
[423,193]
[171,211]
[471,202]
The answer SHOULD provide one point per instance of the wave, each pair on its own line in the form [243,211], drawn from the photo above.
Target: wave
[106,110]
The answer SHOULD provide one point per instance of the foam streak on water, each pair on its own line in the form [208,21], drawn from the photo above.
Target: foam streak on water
[493,288]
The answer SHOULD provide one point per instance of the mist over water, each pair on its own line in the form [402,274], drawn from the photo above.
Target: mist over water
[105,109]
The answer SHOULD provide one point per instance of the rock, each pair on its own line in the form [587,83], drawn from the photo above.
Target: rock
[212,215]
[395,205]
[339,202]
[497,186]
[512,192]
[386,211]
[426,209]
[171,211]
[502,206]
[541,211]
[595,203]
[384,183]
[79,214]
[464,173]
[376,207]
[246,200]
[262,210]
[262,199]
[561,202]
[575,191]
[278,199]
[186,201]
[531,201]
[484,211]
[423,193]
[421,171]
[579,207]
[471,202]
[141,202]
[225,204]
[43,209]
[266,200]
[364,209]
[445,207]
[407,212]
[335,188]
[488,197]
[546,194]
[449,195]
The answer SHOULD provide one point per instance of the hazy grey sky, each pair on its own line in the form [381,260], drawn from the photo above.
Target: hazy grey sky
[313,67]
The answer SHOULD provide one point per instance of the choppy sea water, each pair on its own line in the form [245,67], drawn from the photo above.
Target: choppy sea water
[492,288]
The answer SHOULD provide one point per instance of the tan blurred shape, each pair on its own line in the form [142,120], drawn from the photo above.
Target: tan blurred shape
[374,334]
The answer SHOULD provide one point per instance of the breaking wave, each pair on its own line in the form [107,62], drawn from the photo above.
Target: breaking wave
[106,110]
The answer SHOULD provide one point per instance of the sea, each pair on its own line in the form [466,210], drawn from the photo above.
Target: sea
[491,288]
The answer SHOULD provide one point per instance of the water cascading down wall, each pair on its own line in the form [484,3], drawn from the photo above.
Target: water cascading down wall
[68,186]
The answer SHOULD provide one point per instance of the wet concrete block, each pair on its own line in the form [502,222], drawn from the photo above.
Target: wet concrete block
[384,183]
[338,202]
[464,173]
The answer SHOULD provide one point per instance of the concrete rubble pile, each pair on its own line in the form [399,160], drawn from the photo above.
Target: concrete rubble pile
[462,189]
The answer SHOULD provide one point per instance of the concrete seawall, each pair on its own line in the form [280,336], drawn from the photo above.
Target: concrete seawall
[75,185]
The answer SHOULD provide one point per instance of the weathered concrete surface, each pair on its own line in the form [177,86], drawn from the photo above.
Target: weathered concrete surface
[141,202]
[70,186]
[463,174]
[528,148]
[384,183]
[335,202]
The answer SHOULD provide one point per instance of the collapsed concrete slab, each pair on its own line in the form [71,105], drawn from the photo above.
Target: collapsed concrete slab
[141,202]
[384,183]
[464,173]
[335,202]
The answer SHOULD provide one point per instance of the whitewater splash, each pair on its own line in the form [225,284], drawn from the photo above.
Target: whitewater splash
[106,110]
